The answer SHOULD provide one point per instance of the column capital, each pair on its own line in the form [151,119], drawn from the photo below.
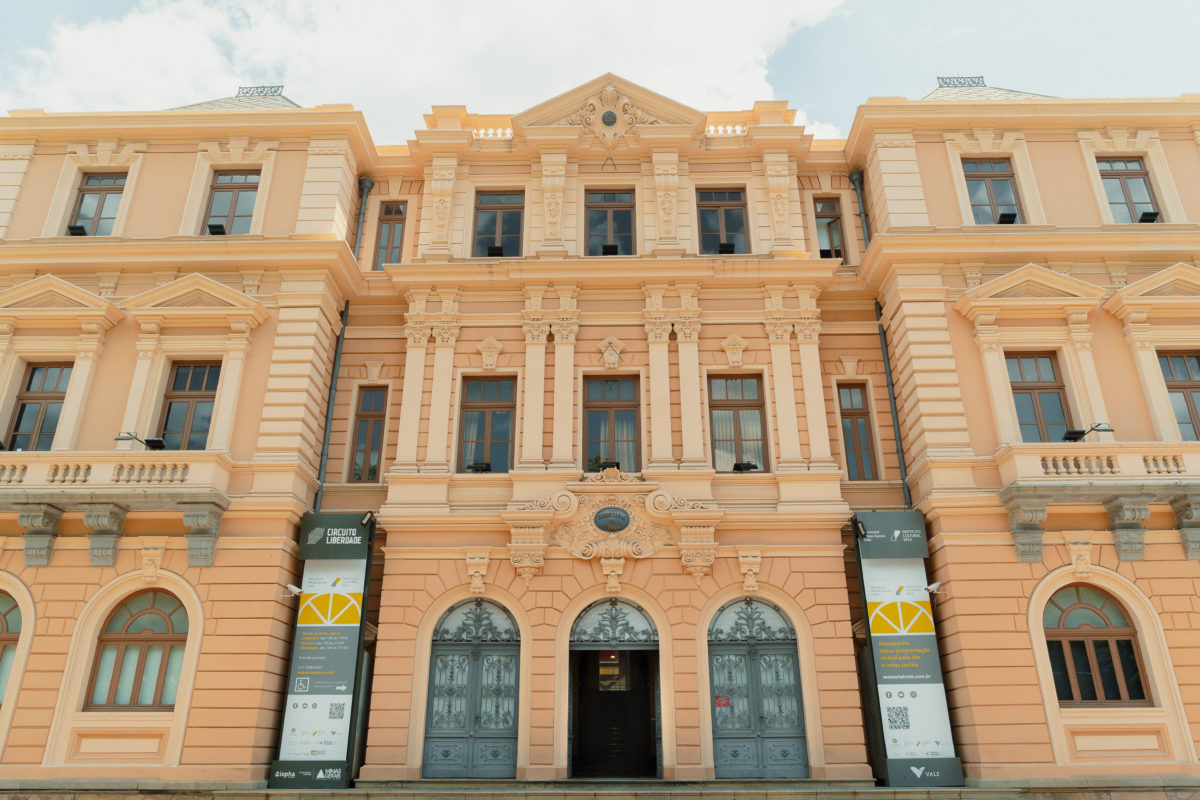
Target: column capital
[779,330]
[687,329]
[658,329]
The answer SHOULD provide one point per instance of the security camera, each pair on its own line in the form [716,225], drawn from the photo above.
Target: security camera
[934,587]
[293,591]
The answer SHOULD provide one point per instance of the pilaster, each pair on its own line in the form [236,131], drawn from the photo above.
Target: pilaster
[565,326]
[444,330]
[687,343]
[666,193]
[416,333]
[658,334]
[537,330]
[89,345]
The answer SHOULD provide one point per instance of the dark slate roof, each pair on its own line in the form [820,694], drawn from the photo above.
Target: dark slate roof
[248,98]
[973,87]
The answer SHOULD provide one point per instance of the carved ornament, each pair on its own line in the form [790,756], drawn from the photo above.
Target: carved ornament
[489,348]
[734,345]
[609,118]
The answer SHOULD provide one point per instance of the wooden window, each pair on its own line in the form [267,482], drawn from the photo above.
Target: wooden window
[722,221]
[39,404]
[188,406]
[99,199]
[498,224]
[610,410]
[1039,396]
[488,409]
[829,226]
[856,431]
[231,202]
[10,633]
[391,234]
[1181,371]
[139,655]
[1094,655]
[1127,188]
[610,223]
[367,430]
[738,429]
[992,190]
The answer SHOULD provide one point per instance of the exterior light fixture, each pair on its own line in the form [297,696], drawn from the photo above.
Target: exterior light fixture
[744,466]
[608,250]
[1148,216]
[479,466]
[1077,434]
[216,229]
[77,230]
[725,249]
[151,442]
[495,250]
[610,465]
[1007,218]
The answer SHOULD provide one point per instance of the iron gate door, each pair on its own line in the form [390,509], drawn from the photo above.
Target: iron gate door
[471,722]
[757,712]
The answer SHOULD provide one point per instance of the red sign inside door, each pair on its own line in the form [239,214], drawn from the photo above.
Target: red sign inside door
[720,700]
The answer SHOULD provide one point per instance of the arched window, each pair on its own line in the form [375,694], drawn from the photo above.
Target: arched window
[1093,649]
[10,632]
[139,655]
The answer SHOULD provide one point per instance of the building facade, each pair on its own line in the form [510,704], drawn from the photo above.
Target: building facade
[611,375]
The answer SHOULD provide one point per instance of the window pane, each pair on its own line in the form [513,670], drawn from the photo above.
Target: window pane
[717,388]
[751,424]
[1052,408]
[104,674]
[499,460]
[504,391]
[196,381]
[1029,369]
[852,469]
[1024,403]
[220,206]
[125,676]
[1083,671]
[149,682]
[597,426]
[597,221]
[27,417]
[628,390]
[87,207]
[171,682]
[1108,673]
[1133,678]
[1139,190]
[1014,369]
[240,226]
[1058,667]
[214,376]
[510,223]
[863,439]
[977,191]
[198,438]
[1003,191]
[6,660]
[622,221]
[245,204]
[983,215]
[501,426]
[1113,191]
[710,220]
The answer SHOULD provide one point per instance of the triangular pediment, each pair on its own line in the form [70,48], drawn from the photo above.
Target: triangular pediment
[1171,291]
[51,301]
[196,299]
[631,106]
[1030,291]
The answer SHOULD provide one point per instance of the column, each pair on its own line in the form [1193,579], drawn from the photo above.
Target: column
[658,333]
[995,373]
[808,334]
[779,333]
[88,349]
[1145,358]
[1091,399]
[687,342]
[233,365]
[562,450]
[445,336]
[533,408]
[136,413]
[417,333]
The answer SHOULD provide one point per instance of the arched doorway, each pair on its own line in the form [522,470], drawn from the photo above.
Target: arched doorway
[757,712]
[471,721]
[615,728]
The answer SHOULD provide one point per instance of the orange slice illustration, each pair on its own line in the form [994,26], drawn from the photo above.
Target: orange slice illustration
[331,608]
[900,616]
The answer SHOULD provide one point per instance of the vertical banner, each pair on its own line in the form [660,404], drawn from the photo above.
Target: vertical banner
[314,744]
[906,668]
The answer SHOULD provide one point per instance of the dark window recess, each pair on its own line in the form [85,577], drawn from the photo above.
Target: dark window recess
[98,203]
[1093,649]
[1127,189]
[610,410]
[39,404]
[992,189]
[188,406]
[829,227]
[856,432]
[722,221]
[231,203]
[498,224]
[390,240]
[1039,396]
[738,430]
[367,431]
[610,223]
[485,441]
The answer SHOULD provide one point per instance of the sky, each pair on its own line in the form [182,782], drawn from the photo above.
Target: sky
[393,59]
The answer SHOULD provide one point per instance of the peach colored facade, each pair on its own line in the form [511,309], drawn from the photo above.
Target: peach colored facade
[90,522]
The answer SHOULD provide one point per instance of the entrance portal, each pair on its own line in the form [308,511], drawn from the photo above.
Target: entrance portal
[615,728]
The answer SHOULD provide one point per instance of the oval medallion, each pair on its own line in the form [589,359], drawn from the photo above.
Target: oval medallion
[611,520]
[609,118]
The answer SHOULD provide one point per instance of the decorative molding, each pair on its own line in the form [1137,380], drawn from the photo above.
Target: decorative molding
[610,352]
[490,349]
[779,329]
[40,521]
[750,563]
[657,326]
[733,345]
[565,327]
[441,192]
[477,567]
[153,550]
[780,180]
[106,153]
[1187,519]
[237,151]
[203,521]
[554,170]
[613,622]
[609,118]
[666,186]
[1126,513]
[1026,516]
[1081,558]
[106,521]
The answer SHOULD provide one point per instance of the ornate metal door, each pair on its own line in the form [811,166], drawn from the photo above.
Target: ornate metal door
[758,716]
[471,721]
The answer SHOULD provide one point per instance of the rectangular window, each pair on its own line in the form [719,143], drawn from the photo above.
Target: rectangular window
[610,410]
[488,409]
[738,429]
[722,221]
[231,203]
[829,226]
[992,190]
[856,431]
[1127,189]
[610,223]
[39,404]
[1181,371]
[367,432]
[1039,396]
[188,406]
[391,234]
[99,199]
[498,224]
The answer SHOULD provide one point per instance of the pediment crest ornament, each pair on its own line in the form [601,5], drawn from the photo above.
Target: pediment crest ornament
[609,117]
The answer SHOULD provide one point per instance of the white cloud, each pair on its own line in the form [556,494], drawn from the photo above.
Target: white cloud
[393,60]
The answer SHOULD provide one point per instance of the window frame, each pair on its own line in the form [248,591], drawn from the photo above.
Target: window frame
[612,406]
[868,448]
[143,641]
[1188,387]
[1123,175]
[721,206]
[385,222]
[501,209]
[987,178]
[191,397]
[1037,388]
[1090,635]
[739,405]
[26,395]
[103,190]
[234,189]
[377,418]
[834,220]
[488,407]
[609,207]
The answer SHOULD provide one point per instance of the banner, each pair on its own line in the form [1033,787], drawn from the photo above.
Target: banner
[906,668]
[314,745]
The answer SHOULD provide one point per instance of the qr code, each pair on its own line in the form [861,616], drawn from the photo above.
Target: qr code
[338,711]
[897,718]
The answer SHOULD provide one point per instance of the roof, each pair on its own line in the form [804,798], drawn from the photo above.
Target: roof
[247,98]
[973,87]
